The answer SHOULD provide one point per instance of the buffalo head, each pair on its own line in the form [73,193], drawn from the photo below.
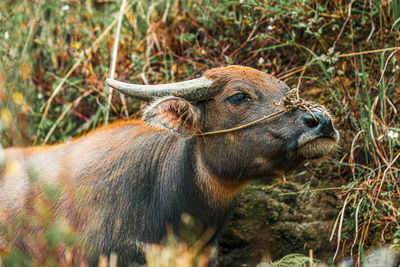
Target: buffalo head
[228,97]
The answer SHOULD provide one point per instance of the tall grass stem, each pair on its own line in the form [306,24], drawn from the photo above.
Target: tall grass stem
[114,60]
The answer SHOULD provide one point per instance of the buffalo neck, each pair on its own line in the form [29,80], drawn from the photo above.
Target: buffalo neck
[155,180]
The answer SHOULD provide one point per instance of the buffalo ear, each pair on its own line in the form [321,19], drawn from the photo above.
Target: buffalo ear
[174,114]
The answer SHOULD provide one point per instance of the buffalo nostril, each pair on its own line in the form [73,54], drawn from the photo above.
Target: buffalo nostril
[310,121]
[328,129]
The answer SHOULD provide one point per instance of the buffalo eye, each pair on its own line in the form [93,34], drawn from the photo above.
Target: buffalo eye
[239,98]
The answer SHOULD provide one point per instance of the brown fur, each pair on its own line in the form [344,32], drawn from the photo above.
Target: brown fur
[241,72]
[220,191]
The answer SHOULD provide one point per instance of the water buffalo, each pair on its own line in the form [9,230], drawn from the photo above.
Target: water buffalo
[135,178]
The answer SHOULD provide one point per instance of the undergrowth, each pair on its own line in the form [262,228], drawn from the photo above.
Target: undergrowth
[55,56]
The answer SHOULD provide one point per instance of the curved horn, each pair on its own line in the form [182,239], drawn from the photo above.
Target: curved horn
[196,89]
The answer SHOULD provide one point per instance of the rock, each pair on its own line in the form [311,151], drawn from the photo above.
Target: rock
[270,222]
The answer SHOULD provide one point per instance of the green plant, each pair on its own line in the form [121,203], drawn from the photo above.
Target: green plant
[292,260]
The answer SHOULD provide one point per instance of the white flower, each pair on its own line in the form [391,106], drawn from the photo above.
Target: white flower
[271,20]
[380,137]
[392,134]
[270,28]
[6,35]
[260,60]
[65,8]
[241,1]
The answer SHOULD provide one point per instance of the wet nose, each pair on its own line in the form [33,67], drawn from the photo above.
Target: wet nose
[319,122]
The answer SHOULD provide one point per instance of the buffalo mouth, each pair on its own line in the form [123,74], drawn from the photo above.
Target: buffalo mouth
[312,146]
